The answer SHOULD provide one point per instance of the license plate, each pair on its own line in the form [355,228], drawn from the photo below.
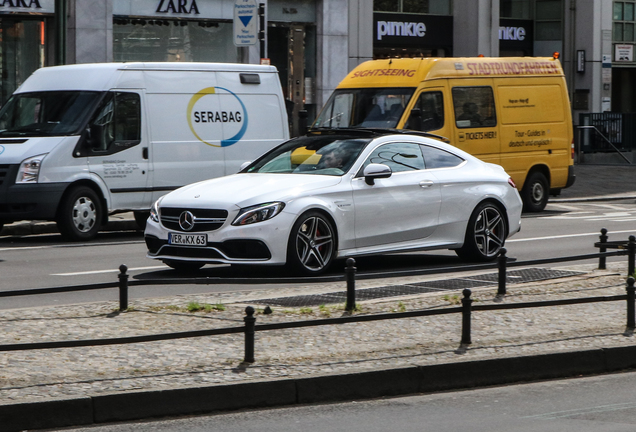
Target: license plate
[188,239]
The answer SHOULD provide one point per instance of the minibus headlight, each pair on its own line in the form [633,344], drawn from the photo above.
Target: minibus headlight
[258,213]
[30,169]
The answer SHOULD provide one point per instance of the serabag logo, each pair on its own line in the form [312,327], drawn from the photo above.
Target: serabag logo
[209,119]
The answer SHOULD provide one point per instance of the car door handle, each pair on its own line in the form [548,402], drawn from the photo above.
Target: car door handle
[426,183]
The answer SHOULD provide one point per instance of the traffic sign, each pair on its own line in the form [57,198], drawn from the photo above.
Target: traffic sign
[245,22]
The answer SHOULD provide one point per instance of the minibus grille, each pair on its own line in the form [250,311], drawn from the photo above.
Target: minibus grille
[204,219]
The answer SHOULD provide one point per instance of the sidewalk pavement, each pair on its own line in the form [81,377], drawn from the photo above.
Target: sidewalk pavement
[80,386]
[593,183]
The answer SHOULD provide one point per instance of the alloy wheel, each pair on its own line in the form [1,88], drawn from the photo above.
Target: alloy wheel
[490,231]
[314,243]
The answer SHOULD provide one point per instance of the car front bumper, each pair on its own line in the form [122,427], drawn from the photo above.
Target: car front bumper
[259,243]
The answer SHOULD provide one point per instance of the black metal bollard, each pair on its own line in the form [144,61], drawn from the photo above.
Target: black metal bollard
[350,272]
[249,334]
[602,259]
[631,296]
[631,254]
[123,288]
[501,263]
[466,312]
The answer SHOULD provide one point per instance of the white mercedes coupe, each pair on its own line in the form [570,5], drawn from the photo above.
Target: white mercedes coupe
[338,194]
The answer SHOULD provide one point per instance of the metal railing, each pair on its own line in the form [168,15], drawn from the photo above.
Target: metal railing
[607,132]
[250,328]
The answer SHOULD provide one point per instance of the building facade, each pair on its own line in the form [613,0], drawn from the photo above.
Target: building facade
[315,43]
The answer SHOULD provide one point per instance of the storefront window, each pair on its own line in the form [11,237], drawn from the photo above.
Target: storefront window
[548,23]
[173,40]
[518,9]
[623,26]
[21,50]
[436,7]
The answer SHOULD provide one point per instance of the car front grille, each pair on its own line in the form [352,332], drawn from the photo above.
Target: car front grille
[204,219]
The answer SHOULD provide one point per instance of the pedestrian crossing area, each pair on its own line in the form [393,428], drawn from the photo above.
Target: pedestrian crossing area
[589,211]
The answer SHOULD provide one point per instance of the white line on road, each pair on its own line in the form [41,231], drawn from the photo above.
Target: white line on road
[108,271]
[565,236]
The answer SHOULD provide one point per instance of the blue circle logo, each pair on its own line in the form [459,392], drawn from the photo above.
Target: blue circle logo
[1,149]
[239,116]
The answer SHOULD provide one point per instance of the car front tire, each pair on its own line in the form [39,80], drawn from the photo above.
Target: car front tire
[312,244]
[485,234]
[80,214]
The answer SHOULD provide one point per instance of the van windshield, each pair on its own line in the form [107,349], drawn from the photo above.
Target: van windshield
[55,113]
[367,107]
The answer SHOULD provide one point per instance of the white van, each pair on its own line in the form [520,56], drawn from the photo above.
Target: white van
[80,142]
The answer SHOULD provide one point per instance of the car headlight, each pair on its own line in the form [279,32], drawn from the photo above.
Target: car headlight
[154,211]
[258,213]
[30,169]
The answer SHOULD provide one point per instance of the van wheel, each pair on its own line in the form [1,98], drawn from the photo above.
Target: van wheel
[485,234]
[312,244]
[141,217]
[184,266]
[80,214]
[535,192]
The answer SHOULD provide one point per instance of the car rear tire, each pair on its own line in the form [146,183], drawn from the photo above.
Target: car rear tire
[184,266]
[312,244]
[80,214]
[535,192]
[485,234]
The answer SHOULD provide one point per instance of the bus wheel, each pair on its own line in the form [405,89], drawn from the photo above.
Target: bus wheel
[535,192]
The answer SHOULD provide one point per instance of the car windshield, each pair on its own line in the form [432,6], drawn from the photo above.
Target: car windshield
[368,107]
[54,113]
[325,155]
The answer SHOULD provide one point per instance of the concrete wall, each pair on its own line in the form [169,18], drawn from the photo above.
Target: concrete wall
[332,50]
[90,31]
[476,28]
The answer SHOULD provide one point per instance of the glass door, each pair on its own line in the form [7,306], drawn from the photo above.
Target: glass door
[21,50]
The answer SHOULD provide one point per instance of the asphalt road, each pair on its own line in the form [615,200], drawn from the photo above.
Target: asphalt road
[38,261]
[594,404]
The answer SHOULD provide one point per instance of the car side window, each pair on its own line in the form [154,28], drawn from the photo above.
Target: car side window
[436,158]
[474,107]
[117,124]
[431,105]
[399,157]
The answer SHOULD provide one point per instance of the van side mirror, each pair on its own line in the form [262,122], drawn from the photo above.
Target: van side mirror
[244,165]
[415,121]
[376,171]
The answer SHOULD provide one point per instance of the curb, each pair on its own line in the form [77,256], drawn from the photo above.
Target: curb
[136,405]
[42,227]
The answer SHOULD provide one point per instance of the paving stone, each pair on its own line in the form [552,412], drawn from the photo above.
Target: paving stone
[70,372]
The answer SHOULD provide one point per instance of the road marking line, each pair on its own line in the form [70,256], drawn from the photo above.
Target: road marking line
[107,271]
[565,236]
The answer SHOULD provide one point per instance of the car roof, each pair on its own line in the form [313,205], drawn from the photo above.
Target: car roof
[373,133]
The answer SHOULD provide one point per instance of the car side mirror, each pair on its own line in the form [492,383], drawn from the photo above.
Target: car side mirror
[376,171]
[244,165]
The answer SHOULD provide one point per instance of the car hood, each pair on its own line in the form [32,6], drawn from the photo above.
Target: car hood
[243,190]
